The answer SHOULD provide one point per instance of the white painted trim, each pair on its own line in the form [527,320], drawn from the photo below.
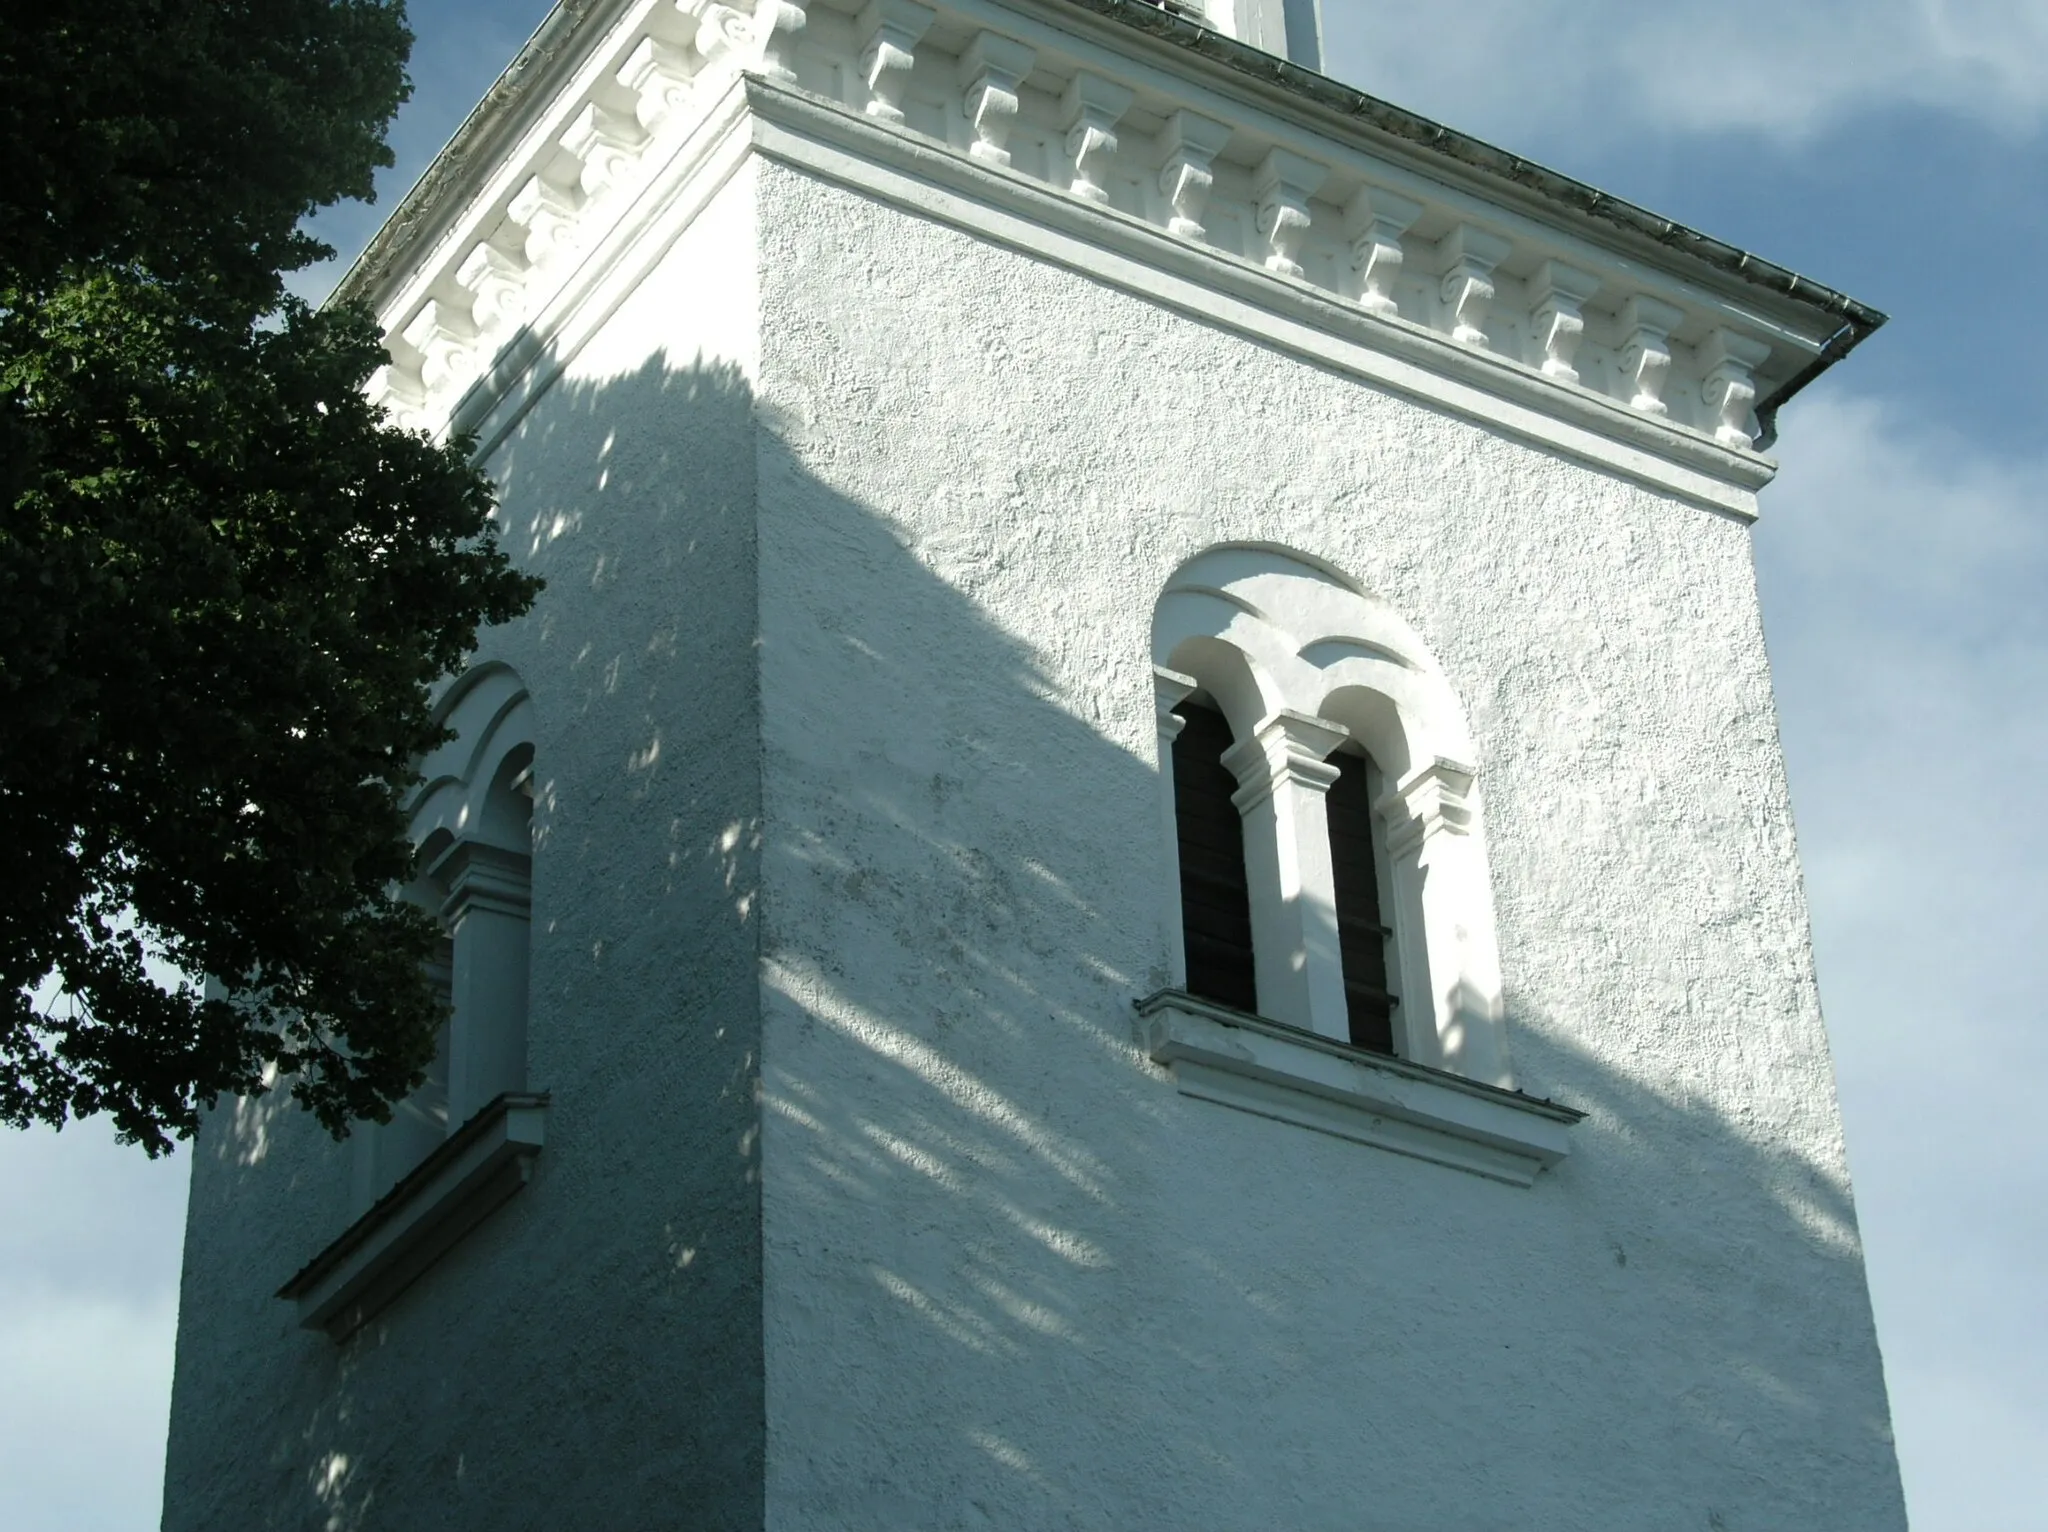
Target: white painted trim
[756,115]
[515,160]
[420,1219]
[903,168]
[1271,636]
[1288,1075]
[586,167]
[607,273]
[1271,113]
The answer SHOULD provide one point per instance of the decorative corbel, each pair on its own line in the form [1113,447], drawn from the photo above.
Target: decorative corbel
[496,280]
[606,143]
[401,394]
[1470,255]
[1560,293]
[546,216]
[1283,185]
[658,75]
[1091,109]
[776,24]
[991,72]
[1729,388]
[893,29]
[1646,355]
[723,31]
[1191,144]
[1376,220]
[445,338]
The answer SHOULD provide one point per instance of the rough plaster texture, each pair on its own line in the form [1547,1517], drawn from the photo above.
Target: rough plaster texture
[590,1355]
[854,524]
[1013,1279]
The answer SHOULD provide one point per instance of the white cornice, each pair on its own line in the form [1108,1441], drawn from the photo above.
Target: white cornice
[1234,293]
[605,276]
[1494,315]
[1202,47]
[759,116]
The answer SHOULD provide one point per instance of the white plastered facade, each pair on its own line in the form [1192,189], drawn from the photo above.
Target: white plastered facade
[874,489]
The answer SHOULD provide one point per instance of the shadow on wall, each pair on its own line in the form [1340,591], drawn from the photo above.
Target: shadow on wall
[1015,1279]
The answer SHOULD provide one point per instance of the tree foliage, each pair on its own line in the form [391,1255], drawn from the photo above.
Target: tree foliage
[227,584]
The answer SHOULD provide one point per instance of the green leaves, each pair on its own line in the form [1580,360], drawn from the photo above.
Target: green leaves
[226,584]
[190,137]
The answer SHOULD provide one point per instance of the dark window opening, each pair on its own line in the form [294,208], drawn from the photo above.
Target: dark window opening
[1215,895]
[1361,931]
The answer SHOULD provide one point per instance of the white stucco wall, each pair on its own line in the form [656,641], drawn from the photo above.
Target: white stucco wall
[1012,1278]
[596,1342]
[853,525]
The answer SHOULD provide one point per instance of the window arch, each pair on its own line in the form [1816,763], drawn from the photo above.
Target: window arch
[471,820]
[1371,906]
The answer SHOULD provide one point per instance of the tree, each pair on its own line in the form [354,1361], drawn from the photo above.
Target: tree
[227,584]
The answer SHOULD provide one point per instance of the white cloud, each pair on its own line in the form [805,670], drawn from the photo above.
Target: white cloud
[1902,570]
[83,1415]
[1620,69]
[90,1241]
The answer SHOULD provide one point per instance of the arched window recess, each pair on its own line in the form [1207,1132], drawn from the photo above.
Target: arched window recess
[1328,911]
[1366,892]
[471,818]
[466,1140]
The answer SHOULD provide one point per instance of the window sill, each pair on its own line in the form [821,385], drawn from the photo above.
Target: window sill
[1281,1072]
[420,1219]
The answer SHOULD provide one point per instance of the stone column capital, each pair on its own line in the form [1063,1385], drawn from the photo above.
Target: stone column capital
[1169,689]
[1288,749]
[1433,799]
[480,876]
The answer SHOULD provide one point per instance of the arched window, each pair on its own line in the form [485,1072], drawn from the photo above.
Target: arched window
[472,820]
[1370,907]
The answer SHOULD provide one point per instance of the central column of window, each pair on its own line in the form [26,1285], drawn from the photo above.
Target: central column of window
[1283,776]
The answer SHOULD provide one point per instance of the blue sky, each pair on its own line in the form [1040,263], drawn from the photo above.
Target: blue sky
[1896,149]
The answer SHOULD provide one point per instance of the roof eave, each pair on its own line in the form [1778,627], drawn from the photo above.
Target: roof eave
[553,50]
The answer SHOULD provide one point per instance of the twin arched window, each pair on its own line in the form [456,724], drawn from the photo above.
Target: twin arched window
[472,819]
[1215,889]
[1323,814]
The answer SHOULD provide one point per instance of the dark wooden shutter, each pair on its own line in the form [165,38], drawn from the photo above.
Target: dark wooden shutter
[1361,933]
[1215,898]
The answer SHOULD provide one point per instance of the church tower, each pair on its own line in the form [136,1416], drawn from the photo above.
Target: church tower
[1136,872]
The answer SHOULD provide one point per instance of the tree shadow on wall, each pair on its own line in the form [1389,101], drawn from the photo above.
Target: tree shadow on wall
[846,876]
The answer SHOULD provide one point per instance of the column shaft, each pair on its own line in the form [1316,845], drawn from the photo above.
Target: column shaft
[1287,860]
